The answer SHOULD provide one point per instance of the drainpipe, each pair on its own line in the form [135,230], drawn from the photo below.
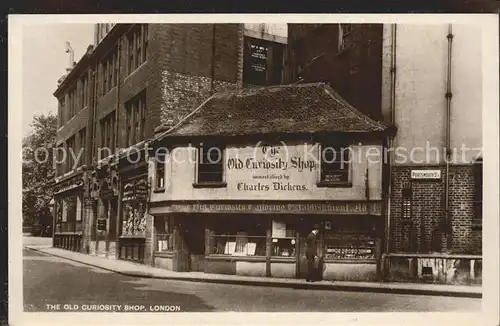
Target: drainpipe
[391,138]
[448,96]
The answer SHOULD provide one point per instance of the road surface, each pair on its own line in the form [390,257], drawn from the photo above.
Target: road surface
[52,283]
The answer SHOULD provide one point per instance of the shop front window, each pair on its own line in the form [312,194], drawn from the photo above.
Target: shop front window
[283,239]
[134,219]
[59,215]
[69,215]
[79,211]
[239,236]
[349,240]
[164,234]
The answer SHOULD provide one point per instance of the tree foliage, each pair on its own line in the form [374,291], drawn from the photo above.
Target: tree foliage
[38,169]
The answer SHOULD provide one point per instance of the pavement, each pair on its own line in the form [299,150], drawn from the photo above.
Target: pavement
[143,271]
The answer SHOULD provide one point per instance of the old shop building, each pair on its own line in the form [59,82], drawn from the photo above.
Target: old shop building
[421,80]
[144,77]
[247,215]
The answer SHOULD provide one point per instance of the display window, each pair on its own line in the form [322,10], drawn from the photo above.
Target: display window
[164,234]
[134,219]
[283,239]
[239,236]
[354,239]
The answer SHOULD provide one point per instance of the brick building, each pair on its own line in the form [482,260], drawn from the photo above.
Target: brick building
[138,79]
[425,81]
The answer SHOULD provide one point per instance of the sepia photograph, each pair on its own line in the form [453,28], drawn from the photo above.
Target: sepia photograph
[329,165]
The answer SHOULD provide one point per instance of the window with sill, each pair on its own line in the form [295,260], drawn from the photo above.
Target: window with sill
[61,111]
[136,119]
[164,234]
[84,90]
[210,166]
[109,71]
[108,132]
[82,135]
[160,161]
[238,236]
[72,103]
[60,164]
[70,153]
[335,164]
[137,47]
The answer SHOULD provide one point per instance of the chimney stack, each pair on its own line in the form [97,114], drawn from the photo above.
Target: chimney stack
[71,52]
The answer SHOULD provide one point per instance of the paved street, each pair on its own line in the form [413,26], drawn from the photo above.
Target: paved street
[51,280]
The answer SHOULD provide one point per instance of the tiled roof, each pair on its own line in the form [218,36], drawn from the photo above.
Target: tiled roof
[296,108]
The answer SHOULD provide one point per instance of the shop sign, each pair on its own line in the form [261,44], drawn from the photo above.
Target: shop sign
[358,208]
[425,174]
[259,57]
[101,224]
[135,191]
[141,190]
[277,169]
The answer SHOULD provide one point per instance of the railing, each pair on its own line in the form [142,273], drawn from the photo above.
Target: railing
[434,268]
[68,241]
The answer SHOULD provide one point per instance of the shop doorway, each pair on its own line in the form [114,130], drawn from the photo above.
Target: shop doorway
[106,226]
[193,233]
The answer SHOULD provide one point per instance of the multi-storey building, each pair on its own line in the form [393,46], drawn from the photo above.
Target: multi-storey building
[136,80]
[425,81]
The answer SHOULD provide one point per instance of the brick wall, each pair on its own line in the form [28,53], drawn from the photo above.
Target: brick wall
[185,61]
[462,189]
[422,233]
[72,127]
[177,75]
[183,93]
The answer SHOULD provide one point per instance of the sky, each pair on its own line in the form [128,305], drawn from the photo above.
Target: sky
[44,61]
